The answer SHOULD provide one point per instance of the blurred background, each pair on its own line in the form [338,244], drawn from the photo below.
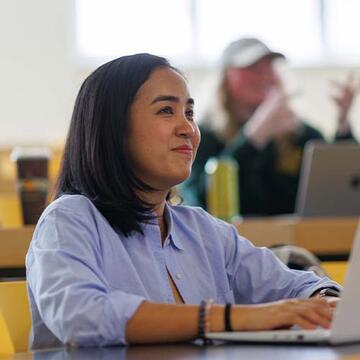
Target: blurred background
[47,48]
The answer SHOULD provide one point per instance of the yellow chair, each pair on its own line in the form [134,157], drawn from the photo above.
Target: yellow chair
[6,345]
[10,210]
[14,307]
[336,270]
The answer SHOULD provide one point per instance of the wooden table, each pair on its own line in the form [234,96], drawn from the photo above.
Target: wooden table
[322,236]
[14,244]
[330,236]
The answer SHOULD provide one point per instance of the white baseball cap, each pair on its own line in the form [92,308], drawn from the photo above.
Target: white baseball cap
[245,52]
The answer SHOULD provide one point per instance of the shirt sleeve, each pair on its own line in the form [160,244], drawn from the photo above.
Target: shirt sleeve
[71,293]
[257,276]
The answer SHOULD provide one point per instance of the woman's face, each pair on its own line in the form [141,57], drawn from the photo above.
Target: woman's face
[250,85]
[163,137]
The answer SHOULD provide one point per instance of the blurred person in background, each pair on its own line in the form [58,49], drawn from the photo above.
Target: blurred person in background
[256,126]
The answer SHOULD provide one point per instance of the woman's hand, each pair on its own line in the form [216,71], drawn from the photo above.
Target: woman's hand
[343,100]
[273,118]
[305,313]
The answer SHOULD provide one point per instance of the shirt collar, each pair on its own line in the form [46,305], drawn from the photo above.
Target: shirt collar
[175,240]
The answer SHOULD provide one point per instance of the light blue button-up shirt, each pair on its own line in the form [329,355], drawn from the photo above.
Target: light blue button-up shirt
[86,280]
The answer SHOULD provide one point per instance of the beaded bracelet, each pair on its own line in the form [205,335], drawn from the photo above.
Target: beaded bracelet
[204,320]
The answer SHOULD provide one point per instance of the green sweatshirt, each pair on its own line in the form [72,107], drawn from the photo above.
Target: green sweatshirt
[268,178]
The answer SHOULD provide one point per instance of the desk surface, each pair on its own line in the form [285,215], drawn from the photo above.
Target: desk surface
[328,236]
[14,244]
[195,352]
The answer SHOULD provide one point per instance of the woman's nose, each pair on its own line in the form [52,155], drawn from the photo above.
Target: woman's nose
[186,127]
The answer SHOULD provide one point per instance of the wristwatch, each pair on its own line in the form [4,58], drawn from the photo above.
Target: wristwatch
[329,292]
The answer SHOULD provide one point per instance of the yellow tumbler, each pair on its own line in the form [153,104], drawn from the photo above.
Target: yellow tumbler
[222,187]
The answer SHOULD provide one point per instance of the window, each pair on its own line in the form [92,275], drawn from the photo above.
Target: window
[342,28]
[108,28]
[289,26]
[194,32]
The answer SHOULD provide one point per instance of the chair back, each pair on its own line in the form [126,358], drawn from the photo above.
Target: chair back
[14,307]
[6,345]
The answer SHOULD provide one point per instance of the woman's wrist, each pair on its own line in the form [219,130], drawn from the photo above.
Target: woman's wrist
[217,318]
[242,317]
[343,126]
[238,318]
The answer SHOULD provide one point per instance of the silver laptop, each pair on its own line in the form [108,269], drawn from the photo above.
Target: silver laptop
[329,182]
[346,322]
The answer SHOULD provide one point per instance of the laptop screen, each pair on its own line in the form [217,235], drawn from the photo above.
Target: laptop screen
[329,182]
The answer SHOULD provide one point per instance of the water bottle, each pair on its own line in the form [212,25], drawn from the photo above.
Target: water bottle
[222,187]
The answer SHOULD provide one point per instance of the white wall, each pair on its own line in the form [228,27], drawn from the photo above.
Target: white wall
[40,76]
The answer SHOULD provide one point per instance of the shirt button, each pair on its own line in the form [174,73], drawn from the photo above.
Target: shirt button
[178,276]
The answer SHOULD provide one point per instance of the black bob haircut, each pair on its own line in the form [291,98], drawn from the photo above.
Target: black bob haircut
[95,161]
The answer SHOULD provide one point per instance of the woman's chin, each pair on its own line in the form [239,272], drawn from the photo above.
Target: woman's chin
[179,178]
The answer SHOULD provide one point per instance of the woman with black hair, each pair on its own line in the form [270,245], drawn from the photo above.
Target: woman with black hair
[112,262]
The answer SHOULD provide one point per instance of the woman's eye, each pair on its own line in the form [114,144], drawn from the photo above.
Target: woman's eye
[166,110]
[190,114]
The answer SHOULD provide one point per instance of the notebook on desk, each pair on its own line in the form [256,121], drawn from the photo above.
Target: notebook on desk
[329,183]
[346,322]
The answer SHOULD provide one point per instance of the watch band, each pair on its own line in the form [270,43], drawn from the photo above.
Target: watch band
[329,292]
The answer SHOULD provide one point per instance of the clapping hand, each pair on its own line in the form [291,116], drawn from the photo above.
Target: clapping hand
[271,119]
[344,99]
